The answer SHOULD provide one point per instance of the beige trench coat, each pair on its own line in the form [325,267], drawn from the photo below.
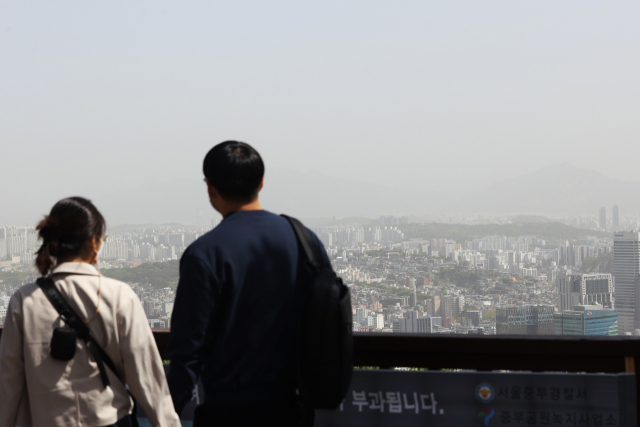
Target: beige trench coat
[37,390]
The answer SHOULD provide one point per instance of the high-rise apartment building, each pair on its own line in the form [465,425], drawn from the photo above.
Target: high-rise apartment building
[432,306]
[375,320]
[168,308]
[413,299]
[603,218]
[178,240]
[450,306]
[361,315]
[446,307]
[615,218]
[149,307]
[412,324]
[526,320]
[626,270]
[574,289]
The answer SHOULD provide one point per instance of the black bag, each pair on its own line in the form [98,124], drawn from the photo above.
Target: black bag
[325,337]
[63,342]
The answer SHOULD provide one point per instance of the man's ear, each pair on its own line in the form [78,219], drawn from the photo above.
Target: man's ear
[261,184]
[211,190]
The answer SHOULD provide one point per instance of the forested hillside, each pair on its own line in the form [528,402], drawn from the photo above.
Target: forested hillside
[601,264]
[157,274]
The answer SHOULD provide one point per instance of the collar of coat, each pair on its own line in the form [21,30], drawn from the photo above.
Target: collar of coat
[76,268]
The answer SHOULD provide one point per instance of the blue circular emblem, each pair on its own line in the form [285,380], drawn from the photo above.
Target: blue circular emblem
[485,393]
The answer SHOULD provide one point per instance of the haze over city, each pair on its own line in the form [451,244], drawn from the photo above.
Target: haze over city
[358,108]
[467,171]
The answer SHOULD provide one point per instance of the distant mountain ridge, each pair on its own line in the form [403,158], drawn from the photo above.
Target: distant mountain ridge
[600,264]
[552,190]
[559,188]
[465,232]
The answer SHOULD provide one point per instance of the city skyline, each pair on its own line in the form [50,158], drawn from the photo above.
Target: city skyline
[400,283]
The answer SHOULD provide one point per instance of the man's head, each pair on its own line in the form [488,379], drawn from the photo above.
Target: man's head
[234,171]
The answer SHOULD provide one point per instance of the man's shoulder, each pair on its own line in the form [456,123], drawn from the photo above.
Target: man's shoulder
[239,222]
[232,227]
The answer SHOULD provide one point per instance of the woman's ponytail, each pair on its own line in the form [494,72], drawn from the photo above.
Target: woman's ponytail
[47,232]
[44,261]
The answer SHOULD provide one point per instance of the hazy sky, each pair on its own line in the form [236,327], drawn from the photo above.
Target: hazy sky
[100,97]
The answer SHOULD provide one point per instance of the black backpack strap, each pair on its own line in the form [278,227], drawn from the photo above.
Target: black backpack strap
[307,243]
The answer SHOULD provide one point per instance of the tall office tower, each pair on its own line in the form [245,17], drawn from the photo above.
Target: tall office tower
[626,270]
[615,218]
[574,289]
[603,218]
[475,316]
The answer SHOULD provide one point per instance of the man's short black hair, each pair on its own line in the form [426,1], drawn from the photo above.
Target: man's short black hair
[235,169]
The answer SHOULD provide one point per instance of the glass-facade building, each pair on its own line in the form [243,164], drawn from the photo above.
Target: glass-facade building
[586,322]
[525,320]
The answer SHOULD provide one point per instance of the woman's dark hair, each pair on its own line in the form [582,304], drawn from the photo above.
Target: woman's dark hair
[235,169]
[69,225]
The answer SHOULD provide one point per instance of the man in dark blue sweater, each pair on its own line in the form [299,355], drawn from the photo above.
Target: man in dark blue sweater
[240,295]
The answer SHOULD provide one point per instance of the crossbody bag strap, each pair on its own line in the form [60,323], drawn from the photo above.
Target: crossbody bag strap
[307,243]
[70,317]
[74,321]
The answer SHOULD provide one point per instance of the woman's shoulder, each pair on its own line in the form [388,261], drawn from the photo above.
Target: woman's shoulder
[117,287]
[25,291]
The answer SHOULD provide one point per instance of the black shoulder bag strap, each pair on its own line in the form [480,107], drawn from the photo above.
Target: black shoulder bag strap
[312,262]
[74,321]
[308,244]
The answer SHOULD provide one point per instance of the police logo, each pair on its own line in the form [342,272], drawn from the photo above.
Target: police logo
[485,393]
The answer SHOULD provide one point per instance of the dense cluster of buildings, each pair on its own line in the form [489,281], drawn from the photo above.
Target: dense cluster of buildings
[17,245]
[157,304]
[488,285]
[555,298]
[152,244]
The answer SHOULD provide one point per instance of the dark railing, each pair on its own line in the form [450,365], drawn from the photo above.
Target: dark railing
[490,353]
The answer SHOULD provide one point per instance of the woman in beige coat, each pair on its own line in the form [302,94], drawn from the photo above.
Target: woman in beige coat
[38,390]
